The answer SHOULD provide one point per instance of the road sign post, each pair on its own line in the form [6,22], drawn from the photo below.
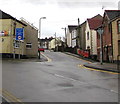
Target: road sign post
[19,36]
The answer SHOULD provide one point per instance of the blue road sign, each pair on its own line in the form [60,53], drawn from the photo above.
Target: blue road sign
[19,33]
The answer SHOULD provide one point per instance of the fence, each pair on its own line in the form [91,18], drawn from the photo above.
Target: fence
[118,63]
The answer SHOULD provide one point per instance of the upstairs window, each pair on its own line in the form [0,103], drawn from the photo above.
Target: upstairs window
[118,26]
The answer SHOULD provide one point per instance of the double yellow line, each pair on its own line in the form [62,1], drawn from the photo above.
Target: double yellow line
[97,70]
[49,60]
[10,97]
[92,68]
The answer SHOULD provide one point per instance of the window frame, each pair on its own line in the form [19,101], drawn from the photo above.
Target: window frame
[88,35]
[16,44]
[118,26]
[27,46]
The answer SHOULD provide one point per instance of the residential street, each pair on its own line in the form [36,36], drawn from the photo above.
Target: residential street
[60,79]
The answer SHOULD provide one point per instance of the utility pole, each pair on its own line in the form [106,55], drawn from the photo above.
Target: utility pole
[40,32]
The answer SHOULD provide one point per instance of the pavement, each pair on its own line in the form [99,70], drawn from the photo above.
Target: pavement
[34,59]
[112,67]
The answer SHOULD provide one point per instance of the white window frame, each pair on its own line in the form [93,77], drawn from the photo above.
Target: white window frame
[16,44]
[29,45]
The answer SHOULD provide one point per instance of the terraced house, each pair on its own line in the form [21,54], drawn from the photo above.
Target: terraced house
[111,35]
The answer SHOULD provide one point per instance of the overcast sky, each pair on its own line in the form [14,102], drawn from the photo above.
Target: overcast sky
[59,13]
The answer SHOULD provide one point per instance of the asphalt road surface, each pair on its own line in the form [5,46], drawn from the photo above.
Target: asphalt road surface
[61,79]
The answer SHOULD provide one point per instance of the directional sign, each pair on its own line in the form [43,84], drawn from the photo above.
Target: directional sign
[19,33]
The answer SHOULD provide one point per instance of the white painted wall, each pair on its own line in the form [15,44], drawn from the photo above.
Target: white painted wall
[92,42]
[88,42]
[74,34]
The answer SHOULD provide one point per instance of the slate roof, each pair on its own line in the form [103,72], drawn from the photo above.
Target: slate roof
[95,21]
[112,14]
[4,15]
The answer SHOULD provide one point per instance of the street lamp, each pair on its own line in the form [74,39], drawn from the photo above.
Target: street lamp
[40,25]
[100,31]
[40,31]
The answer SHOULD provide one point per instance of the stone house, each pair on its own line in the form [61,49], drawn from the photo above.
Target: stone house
[91,34]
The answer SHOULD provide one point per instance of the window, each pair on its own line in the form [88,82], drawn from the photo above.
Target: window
[87,35]
[29,45]
[16,44]
[118,26]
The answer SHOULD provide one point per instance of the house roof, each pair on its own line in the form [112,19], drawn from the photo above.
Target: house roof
[72,27]
[95,21]
[7,16]
[46,39]
[112,14]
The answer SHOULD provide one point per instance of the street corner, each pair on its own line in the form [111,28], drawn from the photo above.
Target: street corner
[46,58]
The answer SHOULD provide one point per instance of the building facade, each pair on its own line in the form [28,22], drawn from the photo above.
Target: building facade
[82,36]
[91,34]
[74,37]
[71,29]
[116,38]
[110,36]
[10,47]
[55,43]
[31,39]
[44,43]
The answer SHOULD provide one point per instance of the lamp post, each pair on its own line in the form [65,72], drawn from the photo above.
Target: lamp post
[40,31]
[40,25]
[100,31]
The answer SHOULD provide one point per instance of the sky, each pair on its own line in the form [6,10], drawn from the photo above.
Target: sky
[59,13]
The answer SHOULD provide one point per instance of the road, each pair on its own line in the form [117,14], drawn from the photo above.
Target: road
[60,79]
